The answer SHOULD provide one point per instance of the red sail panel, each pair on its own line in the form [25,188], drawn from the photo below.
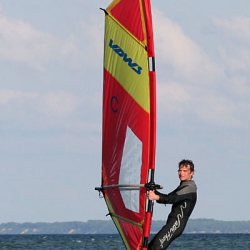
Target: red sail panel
[128,149]
[130,14]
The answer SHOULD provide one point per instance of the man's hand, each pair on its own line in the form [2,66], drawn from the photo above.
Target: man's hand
[152,196]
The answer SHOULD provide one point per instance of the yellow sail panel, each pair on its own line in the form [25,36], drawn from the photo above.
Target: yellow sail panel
[128,54]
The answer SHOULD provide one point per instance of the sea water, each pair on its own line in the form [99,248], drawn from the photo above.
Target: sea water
[114,242]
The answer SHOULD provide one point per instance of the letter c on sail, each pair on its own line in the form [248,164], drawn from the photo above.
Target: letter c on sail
[114,103]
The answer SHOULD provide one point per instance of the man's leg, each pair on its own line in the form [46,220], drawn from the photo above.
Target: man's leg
[164,237]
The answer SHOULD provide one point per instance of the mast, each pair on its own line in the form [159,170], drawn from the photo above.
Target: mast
[152,80]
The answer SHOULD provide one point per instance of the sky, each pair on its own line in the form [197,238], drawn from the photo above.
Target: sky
[51,66]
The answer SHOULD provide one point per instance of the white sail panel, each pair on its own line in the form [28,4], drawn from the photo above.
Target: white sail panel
[130,170]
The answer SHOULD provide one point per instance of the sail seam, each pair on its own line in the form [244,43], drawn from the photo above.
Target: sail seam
[126,220]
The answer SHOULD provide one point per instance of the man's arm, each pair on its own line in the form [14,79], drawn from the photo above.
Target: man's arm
[181,193]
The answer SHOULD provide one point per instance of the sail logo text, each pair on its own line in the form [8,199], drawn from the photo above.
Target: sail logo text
[120,52]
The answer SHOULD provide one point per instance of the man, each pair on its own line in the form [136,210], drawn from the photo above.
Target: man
[183,199]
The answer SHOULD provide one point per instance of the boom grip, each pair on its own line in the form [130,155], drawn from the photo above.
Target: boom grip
[152,186]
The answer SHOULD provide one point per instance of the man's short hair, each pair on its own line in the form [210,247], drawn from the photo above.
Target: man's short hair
[186,163]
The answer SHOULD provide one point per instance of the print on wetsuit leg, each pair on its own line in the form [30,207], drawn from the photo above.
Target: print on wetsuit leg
[168,236]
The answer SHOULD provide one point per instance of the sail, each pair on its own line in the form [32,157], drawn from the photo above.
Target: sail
[128,145]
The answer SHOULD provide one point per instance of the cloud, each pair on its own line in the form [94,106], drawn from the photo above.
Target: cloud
[30,109]
[238,27]
[8,96]
[59,103]
[21,42]
[179,52]
[191,82]
[92,37]
[218,110]
[172,97]
[235,37]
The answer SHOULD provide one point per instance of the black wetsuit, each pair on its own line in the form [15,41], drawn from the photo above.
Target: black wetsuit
[183,199]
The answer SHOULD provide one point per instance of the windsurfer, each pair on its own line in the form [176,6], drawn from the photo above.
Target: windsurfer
[183,199]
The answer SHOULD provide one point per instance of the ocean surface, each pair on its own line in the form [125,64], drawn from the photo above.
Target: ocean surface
[113,242]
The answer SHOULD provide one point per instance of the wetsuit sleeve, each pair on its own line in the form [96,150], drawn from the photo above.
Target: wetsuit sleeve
[179,194]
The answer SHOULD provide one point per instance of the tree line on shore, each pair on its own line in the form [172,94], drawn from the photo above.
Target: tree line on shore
[198,226]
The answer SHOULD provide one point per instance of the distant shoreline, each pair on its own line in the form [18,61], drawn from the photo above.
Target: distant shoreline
[194,226]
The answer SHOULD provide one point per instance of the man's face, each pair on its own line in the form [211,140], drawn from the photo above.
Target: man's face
[185,174]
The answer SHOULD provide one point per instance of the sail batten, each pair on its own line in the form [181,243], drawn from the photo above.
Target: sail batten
[128,143]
